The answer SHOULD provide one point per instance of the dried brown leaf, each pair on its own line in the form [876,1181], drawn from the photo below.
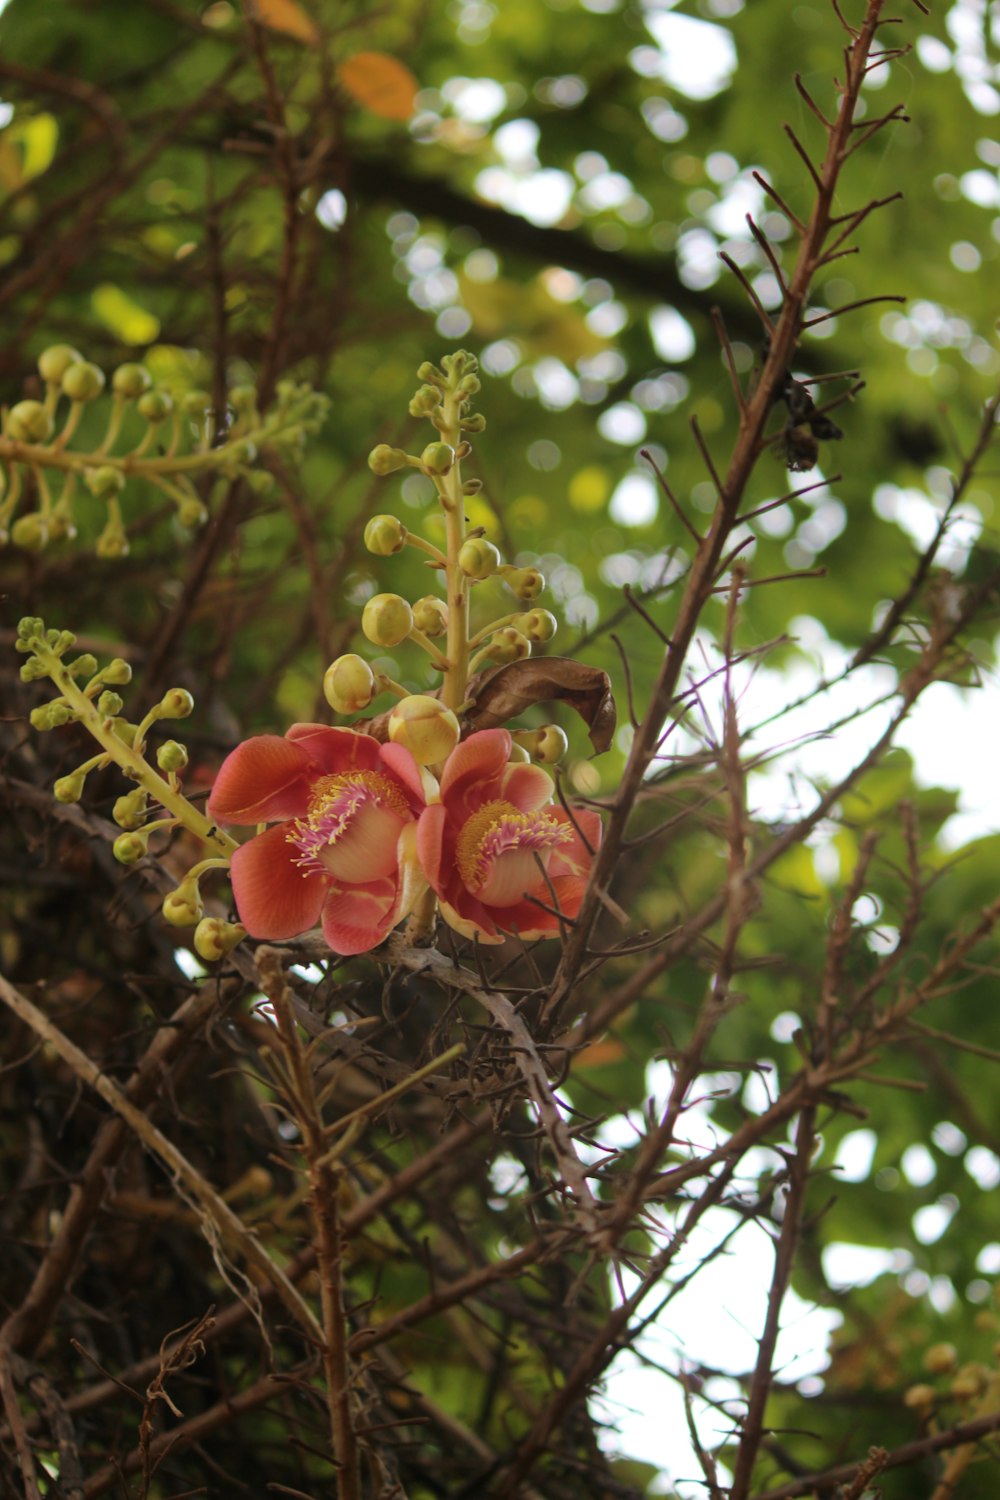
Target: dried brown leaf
[504,694]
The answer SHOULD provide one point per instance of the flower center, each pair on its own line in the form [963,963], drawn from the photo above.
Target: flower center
[352,827]
[499,848]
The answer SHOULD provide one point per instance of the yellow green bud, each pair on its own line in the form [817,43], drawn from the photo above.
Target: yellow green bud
[131,381]
[425,727]
[387,619]
[546,745]
[117,672]
[425,400]
[109,704]
[196,403]
[155,406]
[29,422]
[349,684]
[83,666]
[171,756]
[243,398]
[69,788]
[386,460]
[128,848]
[920,1398]
[456,364]
[438,458]
[214,938]
[83,381]
[940,1358]
[40,718]
[183,907]
[385,535]
[430,615]
[537,624]
[54,361]
[965,1387]
[478,558]
[518,754]
[177,703]
[124,731]
[475,423]
[33,670]
[430,372]
[105,482]
[508,644]
[112,541]
[129,811]
[192,512]
[527,583]
[30,532]
[469,386]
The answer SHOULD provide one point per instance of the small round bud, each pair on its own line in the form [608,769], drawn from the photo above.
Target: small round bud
[192,512]
[177,703]
[547,745]
[54,361]
[109,704]
[920,1398]
[30,532]
[940,1358]
[425,400]
[213,939]
[29,422]
[131,381]
[128,848]
[69,788]
[349,684]
[537,624]
[129,811]
[430,372]
[171,756]
[105,482]
[83,666]
[385,535]
[430,614]
[478,558]
[261,482]
[117,672]
[155,406]
[469,386]
[965,1387]
[243,398]
[475,423]
[33,670]
[438,458]
[425,727]
[387,619]
[527,583]
[196,403]
[83,381]
[61,527]
[508,644]
[112,541]
[40,718]
[518,754]
[386,460]
[183,907]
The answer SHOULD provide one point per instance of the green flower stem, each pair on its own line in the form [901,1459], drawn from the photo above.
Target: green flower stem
[389,685]
[72,423]
[442,662]
[44,493]
[114,424]
[412,540]
[488,630]
[479,660]
[453,503]
[203,867]
[132,763]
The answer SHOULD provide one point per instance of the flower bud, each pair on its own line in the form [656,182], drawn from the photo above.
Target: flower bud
[425,400]
[386,460]
[546,745]
[261,482]
[128,848]
[155,406]
[349,684]
[117,672]
[131,381]
[54,361]
[83,381]
[33,670]
[475,423]
[69,788]
[438,458]
[109,704]
[527,583]
[192,512]
[430,614]
[385,535]
[508,644]
[387,619]
[537,624]
[30,532]
[425,727]
[129,811]
[478,558]
[456,364]
[430,372]
[171,756]
[112,541]
[940,1358]
[40,718]
[177,703]
[105,482]
[195,403]
[243,398]
[920,1398]
[84,666]
[214,938]
[183,907]
[469,386]
[518,754]
[29,422]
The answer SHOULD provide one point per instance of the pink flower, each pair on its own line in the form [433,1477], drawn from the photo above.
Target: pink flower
[343,850]
[494,847]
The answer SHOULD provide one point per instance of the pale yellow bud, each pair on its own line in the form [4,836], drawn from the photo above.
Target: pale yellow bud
[385,535]
[213,938]
[478,558]
[920,1398]
[172,756]
[386,460]
[518,754]
[527,583]
[387,619]
[349,684]
[128,848]
[546,745]
[83,381]
[183,907]
[176,704]
[54,361]
[29,422]
[130,810]
[537,624]
[425,727]
[438,458]
[430,614]
[940,1358]
[69,788]
[508,644]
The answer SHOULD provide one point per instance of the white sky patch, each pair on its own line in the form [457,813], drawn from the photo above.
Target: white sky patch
[331,210]
[476,100]
[854,1157]
[672,334]
[847,1265]
[697,58]
[635,501]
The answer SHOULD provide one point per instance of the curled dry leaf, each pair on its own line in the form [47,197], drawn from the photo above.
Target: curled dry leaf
[502,695]
[286,16]
[381,83]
